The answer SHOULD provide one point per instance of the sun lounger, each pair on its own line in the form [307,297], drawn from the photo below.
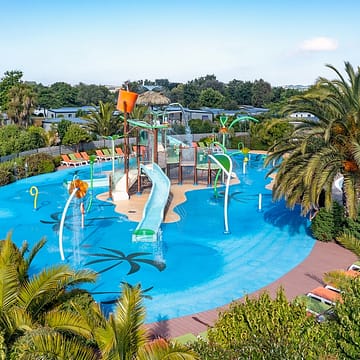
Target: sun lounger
[355,266]
[86,156]
[68,162]
[74,158]
[313,305]
[101,156]
[119,152]
[78,156]
[107,152]
[325,295]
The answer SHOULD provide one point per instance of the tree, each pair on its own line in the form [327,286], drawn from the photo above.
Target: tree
[65,94]
[8,138]
[266,328]
[261,93]
[75,135]
[31,317]
[346,327]
[122,336]
[103,122]
[62,128]
[92,94]
[32,138]
[211,98]
[21,104]
[319,149]
[10,79]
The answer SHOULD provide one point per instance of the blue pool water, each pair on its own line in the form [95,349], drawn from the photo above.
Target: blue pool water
[194,267]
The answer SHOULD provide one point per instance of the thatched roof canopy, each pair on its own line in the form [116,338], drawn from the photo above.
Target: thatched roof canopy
[150,98]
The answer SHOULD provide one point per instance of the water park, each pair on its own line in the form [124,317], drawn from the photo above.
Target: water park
[230,239]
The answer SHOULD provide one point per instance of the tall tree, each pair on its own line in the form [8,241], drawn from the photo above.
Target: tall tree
[65,94]
[93,94]
[261,93]
[21,104]
[103,121]
[10,79]
[320,149]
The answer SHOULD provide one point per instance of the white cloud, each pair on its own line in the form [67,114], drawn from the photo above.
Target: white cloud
[319,44]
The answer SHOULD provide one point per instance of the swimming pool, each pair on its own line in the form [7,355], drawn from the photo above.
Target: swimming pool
[194,267]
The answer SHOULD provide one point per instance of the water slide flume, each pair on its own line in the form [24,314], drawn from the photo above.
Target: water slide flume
[77,188]
[153,214]
[226,165]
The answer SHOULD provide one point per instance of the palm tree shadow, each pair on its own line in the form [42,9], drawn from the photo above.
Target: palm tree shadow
[280,216]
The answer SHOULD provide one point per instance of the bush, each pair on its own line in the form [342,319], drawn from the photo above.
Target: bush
[39,164]
[6,173]
[328,224]
[266,328]
[346,328]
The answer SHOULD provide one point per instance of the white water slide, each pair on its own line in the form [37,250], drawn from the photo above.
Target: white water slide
[153,214]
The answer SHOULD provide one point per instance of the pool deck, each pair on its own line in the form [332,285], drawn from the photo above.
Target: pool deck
[303,278]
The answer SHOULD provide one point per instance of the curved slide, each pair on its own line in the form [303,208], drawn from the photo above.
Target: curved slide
[153,214]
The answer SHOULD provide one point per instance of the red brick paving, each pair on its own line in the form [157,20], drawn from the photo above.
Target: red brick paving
[305,277]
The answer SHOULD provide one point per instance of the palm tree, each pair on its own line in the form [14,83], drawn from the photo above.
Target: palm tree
[32,317]
[22,102]
[103,122]
[319,150]
[123,337]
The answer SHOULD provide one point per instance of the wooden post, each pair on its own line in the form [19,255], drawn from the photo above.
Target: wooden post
[209,171]
[138,161]
[156,158]
[126,150]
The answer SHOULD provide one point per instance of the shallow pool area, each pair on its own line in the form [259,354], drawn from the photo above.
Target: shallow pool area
[192,268]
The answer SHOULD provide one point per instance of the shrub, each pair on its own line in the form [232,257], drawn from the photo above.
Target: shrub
[6,173]
[266,328]
[347,329]
[40,164]
[328,224]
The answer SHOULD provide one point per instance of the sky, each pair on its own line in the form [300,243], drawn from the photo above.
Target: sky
[107,42]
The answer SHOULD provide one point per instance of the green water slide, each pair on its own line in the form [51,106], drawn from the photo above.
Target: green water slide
[224,161]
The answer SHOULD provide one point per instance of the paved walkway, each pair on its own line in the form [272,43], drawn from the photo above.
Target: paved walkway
[306,276]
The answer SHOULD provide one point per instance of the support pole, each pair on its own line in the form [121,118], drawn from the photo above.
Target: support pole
[126,150]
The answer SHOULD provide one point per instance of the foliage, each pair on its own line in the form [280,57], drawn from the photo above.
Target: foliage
[337,278]
[62,128]
[30,305]
[327,224]
[6,173]
[347,329]
[261,93]
[103,122]
[40,163]
[21,103]
[350,242]
[92,94]
[211,98]
[302,175]
[268,132]
[32,138]
[75,135]
[198,126]
[8,138]
[266,328]
[10,79]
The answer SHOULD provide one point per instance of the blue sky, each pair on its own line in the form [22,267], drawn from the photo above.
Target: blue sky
[110,41]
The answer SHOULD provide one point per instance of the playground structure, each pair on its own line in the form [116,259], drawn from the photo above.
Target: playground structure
[158,157]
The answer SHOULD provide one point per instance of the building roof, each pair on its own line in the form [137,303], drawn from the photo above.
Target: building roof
[72,109]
